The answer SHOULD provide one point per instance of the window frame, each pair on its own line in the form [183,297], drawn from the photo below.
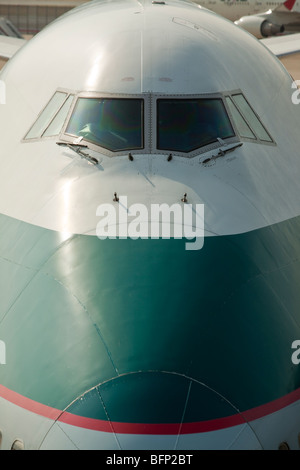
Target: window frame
[149,121]
[41,135]
[199,150]
[64,136]
[256,140]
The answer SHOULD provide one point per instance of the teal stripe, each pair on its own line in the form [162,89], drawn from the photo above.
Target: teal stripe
[77,314]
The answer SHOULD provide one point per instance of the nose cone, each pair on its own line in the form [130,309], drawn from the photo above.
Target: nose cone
[153,306]
[153,410]
[142,344]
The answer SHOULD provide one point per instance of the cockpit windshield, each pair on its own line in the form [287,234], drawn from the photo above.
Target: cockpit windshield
[113,123]
[149,123]
[184,125]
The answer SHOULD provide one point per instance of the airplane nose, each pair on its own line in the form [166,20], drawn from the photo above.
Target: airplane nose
[151,410]
[158,346]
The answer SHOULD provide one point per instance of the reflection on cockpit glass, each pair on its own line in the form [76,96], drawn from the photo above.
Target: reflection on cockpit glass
[113,123]
[184,125]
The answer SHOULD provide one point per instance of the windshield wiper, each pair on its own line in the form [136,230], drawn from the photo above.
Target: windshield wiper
[225,148]
[77,147]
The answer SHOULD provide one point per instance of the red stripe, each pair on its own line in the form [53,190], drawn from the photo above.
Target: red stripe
[148,428]
[28,404]
[139,428]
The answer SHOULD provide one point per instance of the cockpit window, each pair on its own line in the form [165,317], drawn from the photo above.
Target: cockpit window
[241,124]
[148,123]
[115,124]
[52,118]
[250,116]
[55,126]
[247,122]
[184,125]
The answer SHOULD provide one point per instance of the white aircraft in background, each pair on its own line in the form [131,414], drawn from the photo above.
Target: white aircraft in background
[251,15]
